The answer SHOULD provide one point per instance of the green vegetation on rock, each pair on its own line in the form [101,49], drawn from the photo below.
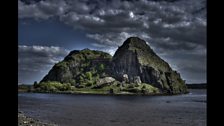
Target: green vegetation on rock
[140,88]
[52,86]
[134,68]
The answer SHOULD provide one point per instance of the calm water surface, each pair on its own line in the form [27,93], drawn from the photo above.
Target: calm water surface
[94,110]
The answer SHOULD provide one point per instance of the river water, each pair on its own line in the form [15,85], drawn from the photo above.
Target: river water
[95,110]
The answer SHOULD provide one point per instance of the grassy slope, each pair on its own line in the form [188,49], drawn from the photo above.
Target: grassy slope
[114,88]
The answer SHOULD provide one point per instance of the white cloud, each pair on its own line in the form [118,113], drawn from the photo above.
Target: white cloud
[131,14]
[169,27]
[42,9]
[37,60]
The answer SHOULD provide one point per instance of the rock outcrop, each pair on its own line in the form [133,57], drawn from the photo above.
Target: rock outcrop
[133,63]
[139,63]
[79,67]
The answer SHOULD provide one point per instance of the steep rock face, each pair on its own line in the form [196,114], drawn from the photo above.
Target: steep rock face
[78,65]
[133,62]
[137,60]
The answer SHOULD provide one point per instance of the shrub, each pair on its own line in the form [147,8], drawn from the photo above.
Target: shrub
[97,77]
[133,90]
[111,91]
[144,91]
[89,84]
[101,67]
[130,86]
[79,86]
[35,84]
[72,82]
[118,85]
[136,85]
[89,75]
[62,64]
[81,80]
[53,86]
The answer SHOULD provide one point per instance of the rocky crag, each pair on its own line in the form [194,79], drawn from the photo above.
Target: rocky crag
[134,68]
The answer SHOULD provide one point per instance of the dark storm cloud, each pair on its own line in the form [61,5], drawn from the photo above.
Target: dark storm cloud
[155,18]
[36,60]
[171,27]
[191,64]
[42,9]
[39,56]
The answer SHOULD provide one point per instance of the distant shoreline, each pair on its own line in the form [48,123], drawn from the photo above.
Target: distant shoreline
[104,94]
[30,89]
[197,86]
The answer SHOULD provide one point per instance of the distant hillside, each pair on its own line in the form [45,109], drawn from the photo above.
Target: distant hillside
[25,88]
[197,86]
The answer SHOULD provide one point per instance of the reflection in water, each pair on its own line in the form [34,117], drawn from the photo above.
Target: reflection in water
[96,110]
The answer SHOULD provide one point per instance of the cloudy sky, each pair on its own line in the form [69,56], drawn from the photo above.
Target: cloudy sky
[49,29]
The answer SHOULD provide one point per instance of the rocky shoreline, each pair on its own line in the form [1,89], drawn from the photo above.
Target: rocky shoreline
[23,120]
[107,94]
